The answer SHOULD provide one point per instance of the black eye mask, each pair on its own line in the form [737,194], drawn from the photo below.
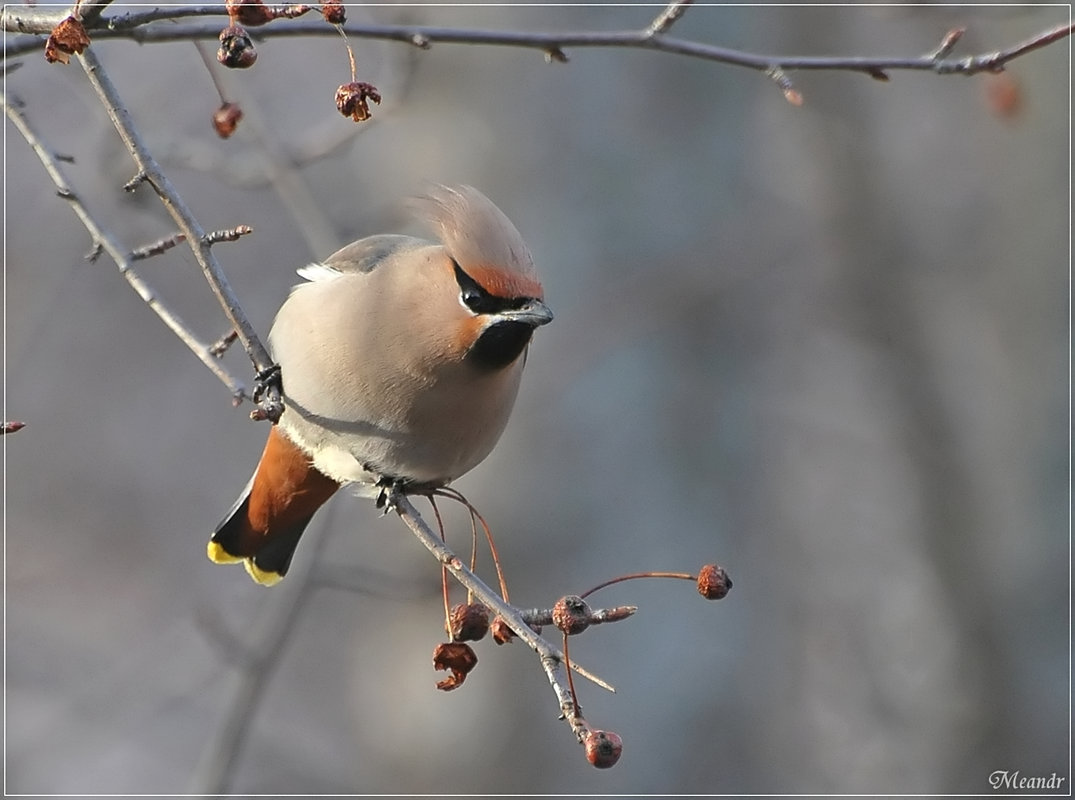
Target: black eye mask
[480,301]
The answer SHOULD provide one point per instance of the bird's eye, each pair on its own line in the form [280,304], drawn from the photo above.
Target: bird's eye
[473,295]
[480,301]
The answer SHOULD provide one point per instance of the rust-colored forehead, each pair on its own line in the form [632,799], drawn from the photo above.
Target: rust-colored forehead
[505,283]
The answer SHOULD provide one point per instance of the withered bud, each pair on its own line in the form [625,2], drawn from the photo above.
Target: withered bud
[571,614]
[502,634]
[67,39]
[334,12]
[457,657]
[249,12]
[236,50]
[226,119]
[468,622]
[603,748]
[351,100]
[713,582]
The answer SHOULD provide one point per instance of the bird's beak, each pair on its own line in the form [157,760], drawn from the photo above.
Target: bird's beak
[534,313]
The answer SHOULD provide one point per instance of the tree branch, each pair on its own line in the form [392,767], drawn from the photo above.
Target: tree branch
[150,171]
[552,660]
[124,259]
[136,26]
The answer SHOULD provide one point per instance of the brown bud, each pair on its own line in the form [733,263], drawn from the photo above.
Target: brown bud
[249,12]
[457,657]
[66,39]
[334,11]
[713,582]
[502,634]
[226,119]
[468,622]
[571,614]
[351,100]
[236,50]
[603,748]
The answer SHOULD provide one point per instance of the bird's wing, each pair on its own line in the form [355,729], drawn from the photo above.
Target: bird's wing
[361,256]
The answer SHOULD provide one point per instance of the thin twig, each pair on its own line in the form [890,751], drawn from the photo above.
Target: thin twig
[552,659]
[102,238]
[668,17]
[158,247]
[134,26]
[190,227]
[227,235]
[544,616]
[221,345]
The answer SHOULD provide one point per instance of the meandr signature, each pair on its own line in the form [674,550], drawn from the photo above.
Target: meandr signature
[1013,779]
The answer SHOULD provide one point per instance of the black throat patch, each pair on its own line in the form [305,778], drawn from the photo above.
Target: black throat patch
[500,344]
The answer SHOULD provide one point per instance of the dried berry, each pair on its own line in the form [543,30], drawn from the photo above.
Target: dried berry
[1003,95]
[603,748]
[226,119]
[571,614]
[713,582]
[351,100]
[457,657]
[334,11]
[67,39]
[468,622]
[236,50]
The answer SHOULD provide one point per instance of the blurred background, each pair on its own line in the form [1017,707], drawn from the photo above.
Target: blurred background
[824,346]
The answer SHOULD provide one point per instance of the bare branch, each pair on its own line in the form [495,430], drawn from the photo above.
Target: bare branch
[221,345]
[668,17]
[552,659]
[227,235]
[135,26]
[948,43]
[151,172]
[157,247]
[103,239]
[545,616]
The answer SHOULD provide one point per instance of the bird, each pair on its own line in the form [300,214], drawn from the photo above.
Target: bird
[400,360]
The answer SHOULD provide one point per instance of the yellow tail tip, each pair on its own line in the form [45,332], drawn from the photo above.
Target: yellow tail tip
[264,577]
[218,555]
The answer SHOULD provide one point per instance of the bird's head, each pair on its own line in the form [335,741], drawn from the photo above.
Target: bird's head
[500,298]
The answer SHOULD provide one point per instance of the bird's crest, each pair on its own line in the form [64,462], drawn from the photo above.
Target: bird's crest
[481,239]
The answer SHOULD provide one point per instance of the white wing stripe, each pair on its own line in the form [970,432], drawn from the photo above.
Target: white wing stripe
[318,272]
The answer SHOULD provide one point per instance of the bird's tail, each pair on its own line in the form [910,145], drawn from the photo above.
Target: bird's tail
[264,526]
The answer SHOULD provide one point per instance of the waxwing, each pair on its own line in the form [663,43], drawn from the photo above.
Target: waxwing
[400,361]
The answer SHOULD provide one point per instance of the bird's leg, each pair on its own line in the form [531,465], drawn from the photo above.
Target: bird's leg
[391,489]
[270,376]
[268,390]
